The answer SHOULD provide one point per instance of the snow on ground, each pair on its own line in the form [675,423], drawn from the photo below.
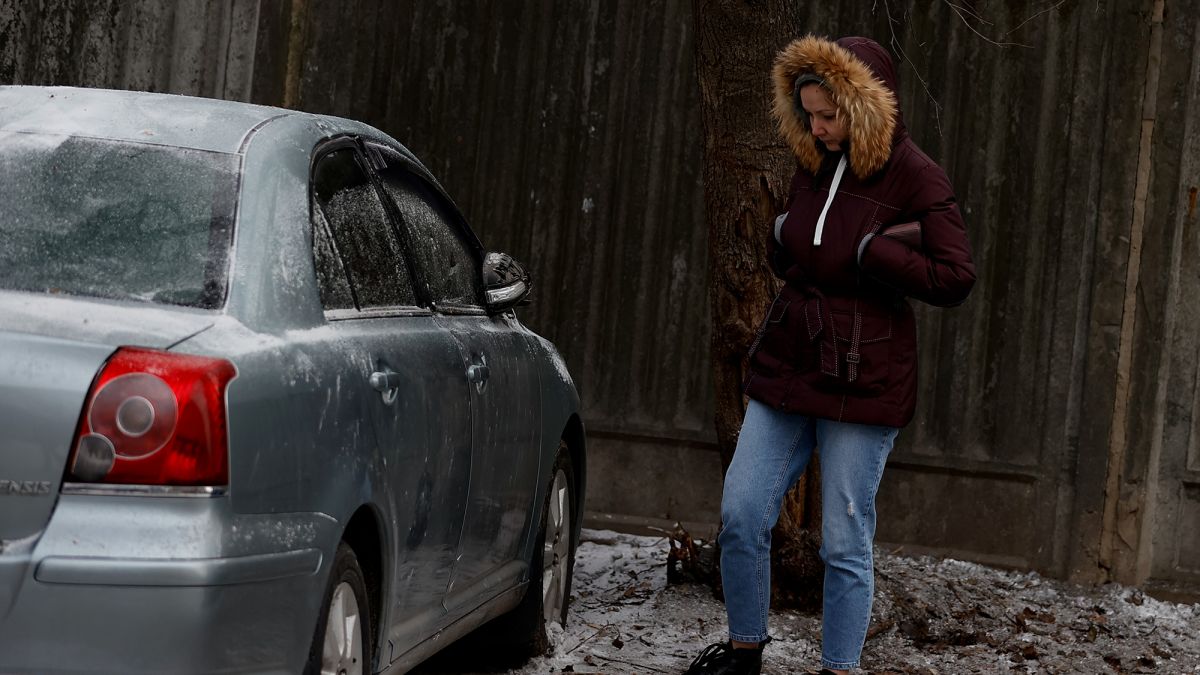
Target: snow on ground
[931,617]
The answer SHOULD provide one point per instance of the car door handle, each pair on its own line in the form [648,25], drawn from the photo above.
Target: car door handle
[384,382]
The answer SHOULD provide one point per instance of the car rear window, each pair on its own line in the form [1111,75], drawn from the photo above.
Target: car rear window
[115,219]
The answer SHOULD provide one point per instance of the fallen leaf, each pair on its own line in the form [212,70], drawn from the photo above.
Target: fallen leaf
[1160,652]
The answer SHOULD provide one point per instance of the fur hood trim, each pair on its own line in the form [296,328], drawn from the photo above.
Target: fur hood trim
[867,105]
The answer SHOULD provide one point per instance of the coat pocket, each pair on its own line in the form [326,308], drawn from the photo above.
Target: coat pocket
[775,342]
[768,337]
[857,360]
[787,339]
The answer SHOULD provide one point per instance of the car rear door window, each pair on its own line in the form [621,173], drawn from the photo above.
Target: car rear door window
[448,262]
[347,203]
[331,274]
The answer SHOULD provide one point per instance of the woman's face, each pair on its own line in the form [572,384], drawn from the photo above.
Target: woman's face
[826,125]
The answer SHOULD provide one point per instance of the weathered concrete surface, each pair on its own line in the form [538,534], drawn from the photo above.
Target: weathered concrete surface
[1060,419]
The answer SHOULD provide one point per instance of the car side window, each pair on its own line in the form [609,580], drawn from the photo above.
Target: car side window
[362,235]
[448,263]
[331,275]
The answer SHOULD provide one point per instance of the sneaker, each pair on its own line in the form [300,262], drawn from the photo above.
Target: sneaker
[722,659]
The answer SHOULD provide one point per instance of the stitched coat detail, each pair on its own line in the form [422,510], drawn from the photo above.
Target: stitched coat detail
[840,341]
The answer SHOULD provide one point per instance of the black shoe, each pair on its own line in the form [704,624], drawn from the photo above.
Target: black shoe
[722,659]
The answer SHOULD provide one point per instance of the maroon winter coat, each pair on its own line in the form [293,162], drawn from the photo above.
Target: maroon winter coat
[839,341]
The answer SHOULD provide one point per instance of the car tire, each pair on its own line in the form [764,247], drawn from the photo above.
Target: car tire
[342,642]
[515,637]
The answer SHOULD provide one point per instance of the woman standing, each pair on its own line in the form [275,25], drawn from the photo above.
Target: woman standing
[871,221]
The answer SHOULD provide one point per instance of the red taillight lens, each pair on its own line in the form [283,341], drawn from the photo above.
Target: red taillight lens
[155,418]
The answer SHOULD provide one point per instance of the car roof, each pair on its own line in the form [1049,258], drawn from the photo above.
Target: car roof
[162,119]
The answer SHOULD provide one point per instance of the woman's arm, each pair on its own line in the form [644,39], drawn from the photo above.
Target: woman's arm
[777,256]
[941,273]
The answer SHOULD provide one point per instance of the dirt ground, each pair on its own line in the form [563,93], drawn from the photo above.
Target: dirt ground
[931,617]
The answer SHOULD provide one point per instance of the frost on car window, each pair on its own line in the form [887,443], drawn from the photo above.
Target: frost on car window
[331,276]
[113,219]
[361,232]
[448,266]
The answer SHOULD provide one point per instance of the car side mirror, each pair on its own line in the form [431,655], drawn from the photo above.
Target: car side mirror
[505,282]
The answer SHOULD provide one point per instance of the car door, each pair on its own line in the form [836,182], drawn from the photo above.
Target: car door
[504,387]
[420,401]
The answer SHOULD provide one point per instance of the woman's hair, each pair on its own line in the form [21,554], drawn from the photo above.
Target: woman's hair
[802,81]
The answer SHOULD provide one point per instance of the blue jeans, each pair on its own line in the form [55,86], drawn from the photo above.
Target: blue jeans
[772,451]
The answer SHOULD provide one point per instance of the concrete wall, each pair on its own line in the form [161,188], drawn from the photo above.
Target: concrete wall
[567,132]
[1058,427]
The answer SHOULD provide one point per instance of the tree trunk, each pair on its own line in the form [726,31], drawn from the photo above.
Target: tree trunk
[747,170]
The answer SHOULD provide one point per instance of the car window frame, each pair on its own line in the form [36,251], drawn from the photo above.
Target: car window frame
[320,151]
[457,222]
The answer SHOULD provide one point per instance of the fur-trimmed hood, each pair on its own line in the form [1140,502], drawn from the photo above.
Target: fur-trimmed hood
[861,79]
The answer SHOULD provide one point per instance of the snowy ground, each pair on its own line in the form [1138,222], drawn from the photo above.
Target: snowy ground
[931,617]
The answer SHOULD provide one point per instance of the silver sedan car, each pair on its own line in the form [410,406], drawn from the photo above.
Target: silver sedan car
[265,405]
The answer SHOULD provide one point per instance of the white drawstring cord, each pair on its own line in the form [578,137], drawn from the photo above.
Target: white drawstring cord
[837,178]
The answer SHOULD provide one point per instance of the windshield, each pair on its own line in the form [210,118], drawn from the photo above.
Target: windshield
[115,219]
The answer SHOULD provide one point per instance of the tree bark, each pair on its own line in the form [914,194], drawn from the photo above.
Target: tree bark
[747,170]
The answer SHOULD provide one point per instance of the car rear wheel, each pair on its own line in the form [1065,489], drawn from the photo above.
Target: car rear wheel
[342,641]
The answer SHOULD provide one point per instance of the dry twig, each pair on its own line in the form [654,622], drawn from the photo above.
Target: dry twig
[628,663]
[1034,16]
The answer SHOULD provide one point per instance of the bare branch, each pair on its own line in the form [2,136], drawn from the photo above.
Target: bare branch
[1031,18]
[959,11]
[969,10]
[895,43]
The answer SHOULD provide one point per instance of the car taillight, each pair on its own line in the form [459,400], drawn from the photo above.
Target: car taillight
[155,418]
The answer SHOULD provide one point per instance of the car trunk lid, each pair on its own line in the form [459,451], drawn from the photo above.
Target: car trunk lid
[97,321]
[52,350]
[43,382]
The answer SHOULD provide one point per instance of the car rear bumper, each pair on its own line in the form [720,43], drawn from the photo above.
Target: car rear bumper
[248,569]
[122,585]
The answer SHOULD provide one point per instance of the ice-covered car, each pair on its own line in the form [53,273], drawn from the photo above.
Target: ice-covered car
[265,404]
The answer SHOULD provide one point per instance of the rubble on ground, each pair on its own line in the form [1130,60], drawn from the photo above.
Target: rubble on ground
[931,617]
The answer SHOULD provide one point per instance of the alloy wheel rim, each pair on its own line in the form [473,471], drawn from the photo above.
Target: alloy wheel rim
[342,649]
[557,552]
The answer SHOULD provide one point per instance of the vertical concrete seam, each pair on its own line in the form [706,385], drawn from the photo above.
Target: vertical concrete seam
[1118,442]
[1184,221]
[247,88]
[225,28]
[295,53]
